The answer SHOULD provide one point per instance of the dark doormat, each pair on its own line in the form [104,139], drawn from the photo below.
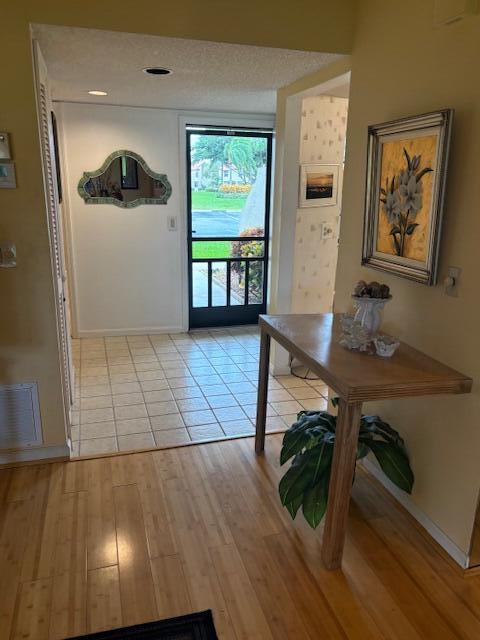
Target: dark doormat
[196,626]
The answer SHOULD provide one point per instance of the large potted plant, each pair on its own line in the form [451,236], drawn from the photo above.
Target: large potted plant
[310,440]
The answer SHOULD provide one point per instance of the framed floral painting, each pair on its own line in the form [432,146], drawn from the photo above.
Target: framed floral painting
[406,172]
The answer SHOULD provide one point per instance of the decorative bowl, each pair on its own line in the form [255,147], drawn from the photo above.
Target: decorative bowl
[386,346]
[354,336]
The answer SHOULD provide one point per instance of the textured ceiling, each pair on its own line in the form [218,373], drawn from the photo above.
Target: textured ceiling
[206,75]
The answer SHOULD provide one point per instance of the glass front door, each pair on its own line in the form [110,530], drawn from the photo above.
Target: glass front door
[229,182]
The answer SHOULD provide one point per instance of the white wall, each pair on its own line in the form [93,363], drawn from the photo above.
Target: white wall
[297,251]
[128,271]
[283,225]
[322,140]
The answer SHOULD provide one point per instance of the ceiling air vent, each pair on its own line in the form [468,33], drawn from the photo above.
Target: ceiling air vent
[19,416]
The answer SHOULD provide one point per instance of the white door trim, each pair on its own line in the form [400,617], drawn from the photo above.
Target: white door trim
[212,119]
[44,109]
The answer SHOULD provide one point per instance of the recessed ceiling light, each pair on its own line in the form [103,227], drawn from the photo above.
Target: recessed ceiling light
[157,71]
[98,93]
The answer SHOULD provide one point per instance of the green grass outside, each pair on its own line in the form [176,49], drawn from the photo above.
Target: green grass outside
[212,201]
[211,249]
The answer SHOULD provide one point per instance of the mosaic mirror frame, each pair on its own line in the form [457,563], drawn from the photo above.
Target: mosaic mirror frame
[159,177]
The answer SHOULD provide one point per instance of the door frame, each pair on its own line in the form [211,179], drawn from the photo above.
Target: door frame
[54,224]
[229,315]
[208,119]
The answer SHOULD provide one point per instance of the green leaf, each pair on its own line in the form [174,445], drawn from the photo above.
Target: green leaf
[394,463]
[362,450]
[394,230]
[411,228]
[335,401]
[295,505]
[325,420]
[323,462]
[315,501]
[371,426]
[312,437]
[293,443]
[305,470]
[306,433]
[296,480]
[409,162]
[320,418]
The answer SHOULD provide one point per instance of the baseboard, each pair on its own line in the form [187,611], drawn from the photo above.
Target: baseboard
[472,572]
[34,454]
[276,370]
[437,534]
[102,333]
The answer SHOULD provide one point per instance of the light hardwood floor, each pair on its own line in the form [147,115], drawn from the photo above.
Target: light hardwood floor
[109,542]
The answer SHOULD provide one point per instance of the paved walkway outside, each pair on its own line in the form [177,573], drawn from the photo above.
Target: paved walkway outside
[216,223]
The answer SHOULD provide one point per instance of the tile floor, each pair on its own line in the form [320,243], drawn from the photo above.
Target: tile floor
[139,392]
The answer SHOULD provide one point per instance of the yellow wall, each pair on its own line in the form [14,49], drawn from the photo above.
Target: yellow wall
[27,320]
[402,65]
[316,25]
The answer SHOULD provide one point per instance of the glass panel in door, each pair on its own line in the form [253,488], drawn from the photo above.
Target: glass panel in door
[228,213]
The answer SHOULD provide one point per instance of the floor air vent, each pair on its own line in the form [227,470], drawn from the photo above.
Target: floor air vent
[19,416]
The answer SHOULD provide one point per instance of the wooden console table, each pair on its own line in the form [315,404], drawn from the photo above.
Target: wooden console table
[355,378]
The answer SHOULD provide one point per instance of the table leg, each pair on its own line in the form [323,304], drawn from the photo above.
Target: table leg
[262,391]
[343,468]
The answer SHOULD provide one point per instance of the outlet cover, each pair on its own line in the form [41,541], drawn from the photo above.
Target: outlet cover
[451,289]
[4,146]
[8,256]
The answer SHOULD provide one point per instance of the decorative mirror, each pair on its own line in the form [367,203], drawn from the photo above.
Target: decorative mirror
[124,180]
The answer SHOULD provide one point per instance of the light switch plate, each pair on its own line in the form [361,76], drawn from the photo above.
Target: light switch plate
[4,146]
[8,256]
[454,274]
[7,175]
[172,223]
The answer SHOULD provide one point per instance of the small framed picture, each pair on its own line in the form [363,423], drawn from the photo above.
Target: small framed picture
[4,146]
[7,175]
[318,185]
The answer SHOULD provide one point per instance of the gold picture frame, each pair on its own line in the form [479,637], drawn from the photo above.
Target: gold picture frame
[406,175]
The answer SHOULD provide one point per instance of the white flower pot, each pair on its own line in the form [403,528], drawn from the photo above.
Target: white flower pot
[368,312]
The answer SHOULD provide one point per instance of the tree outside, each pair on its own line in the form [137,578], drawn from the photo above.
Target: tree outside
[226,167]
[224,171]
